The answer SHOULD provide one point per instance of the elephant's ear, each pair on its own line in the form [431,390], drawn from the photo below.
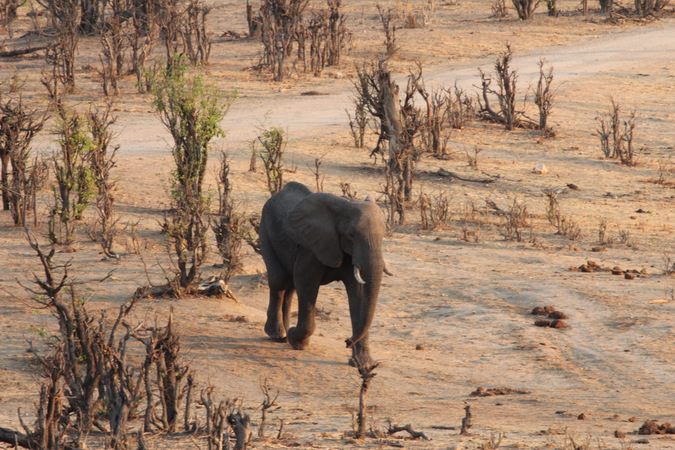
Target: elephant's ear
[313,225]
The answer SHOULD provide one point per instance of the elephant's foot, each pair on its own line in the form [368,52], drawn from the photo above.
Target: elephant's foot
[275,331]
[361,359]
[297,340]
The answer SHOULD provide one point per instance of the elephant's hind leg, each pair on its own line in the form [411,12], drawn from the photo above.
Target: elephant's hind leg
[278,314]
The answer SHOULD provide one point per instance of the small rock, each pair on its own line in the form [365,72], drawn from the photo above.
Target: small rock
[542,310]
[419,347]
[598,249]
[629,276]
[542,323]
[616,270]
[573,186]
[581,416]
[540,169]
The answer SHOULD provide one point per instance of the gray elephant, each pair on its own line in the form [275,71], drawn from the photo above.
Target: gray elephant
[311,239]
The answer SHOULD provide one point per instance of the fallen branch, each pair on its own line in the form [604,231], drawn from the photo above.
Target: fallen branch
[466,421]
[21,51]
[447,174]
[414,434]
[13,437]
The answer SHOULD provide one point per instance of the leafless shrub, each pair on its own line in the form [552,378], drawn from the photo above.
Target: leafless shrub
[516,220]
[281,20]
[64,17]
[434,211]
[433,132]
[328,35]
[8,14]
[141,41]
[506,95]
[266,404]
[19,186]
[616,136]
[461,108]
[318,176]
[544,99]
[369,106]
[665,167]
[606,5]
[251,235]
[197,40]
[650,7]
[216,420]
[113,44]
[473,159]
[346,189]
[162,346]
[499,9]
[468,215]
[387,18]
[228,225]
[525,8]
[552,7]
[668,263]
[603,236]
[565,225]
[88,356]
[625,237]
[358,123]
[103,159]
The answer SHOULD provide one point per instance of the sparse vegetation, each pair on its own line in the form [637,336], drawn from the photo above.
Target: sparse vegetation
[616,136]
[434,211]
[274,143]
[191,110]
[565,225]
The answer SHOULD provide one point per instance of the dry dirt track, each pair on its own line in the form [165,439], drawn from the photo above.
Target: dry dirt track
[466,305]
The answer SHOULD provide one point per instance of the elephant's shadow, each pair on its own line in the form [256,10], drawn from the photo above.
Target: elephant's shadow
[256,350]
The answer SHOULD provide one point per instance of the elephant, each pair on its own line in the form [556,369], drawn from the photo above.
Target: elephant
[311,239]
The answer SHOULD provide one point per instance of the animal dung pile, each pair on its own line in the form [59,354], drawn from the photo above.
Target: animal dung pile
[554,318]
[651,427]
[592,267]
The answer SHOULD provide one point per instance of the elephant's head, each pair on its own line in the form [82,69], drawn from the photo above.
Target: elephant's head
[330,227]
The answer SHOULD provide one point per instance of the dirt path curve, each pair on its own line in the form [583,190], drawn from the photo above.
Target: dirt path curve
[631,51]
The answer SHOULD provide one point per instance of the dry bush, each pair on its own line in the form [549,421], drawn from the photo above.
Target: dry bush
[359,123]
[141,40]
[387,18]
[506,95]
[473,159]
[73,175]
[552,7]
[525,8]
[460,107]
[113,46]
[64,19]
[318,176]
[197,42]
[280,22]
[499,9]
[469,215]
[603,236]
[647,8]
[328,35]
[544,99]
[228,225]
[434,134]
[606,5]
[266,404]
[22,175]
[103,160]
[516,220]
[565,225]
[616,136]
[668,263]
[434,211]
[274,142]
[8,14]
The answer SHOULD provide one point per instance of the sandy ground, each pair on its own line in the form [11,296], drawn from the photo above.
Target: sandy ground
[456,315]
